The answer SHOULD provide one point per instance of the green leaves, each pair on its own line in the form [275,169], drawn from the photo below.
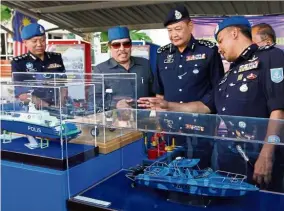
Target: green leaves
[104,37]
[5,13]
[134,35]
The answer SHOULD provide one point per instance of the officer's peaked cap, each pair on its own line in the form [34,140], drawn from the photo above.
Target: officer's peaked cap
[177,14]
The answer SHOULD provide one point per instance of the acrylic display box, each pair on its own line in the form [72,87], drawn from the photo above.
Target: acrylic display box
[191,161]
[34,126]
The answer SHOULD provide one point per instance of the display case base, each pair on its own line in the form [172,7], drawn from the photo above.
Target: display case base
[118,191]
[107,140]
[185,199]
[55,156]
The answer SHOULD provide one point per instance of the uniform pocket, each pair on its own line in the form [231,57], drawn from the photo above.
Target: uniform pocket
[244,90]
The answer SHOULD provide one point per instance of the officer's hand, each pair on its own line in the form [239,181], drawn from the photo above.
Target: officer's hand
[263,168]
[125,103]
[154,103]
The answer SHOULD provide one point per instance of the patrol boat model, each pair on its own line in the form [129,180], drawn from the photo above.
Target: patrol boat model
[37,124]
[183,175]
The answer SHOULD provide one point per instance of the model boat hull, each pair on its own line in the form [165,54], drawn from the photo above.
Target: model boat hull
[69,131]
[209,190]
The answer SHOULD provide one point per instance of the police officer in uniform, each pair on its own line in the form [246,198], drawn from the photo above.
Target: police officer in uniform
[263,34]
[187,71]
[36,60]
[253,87]
[121,61]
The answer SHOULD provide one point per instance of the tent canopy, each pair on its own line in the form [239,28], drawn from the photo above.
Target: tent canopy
[95,16]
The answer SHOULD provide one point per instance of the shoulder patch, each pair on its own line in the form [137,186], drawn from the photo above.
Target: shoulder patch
[266,47]
[164,48]
[207,43]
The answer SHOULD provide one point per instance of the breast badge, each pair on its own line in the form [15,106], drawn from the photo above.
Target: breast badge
[244,88]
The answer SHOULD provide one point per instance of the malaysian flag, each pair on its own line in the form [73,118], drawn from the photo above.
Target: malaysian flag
[19,21]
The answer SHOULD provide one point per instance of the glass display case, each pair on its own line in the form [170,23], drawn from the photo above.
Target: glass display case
[111,91]
[191,161]
[34,129]
[86,99]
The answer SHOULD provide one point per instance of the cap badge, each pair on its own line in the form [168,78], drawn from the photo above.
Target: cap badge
[217,29]
[41,29]
[178,15]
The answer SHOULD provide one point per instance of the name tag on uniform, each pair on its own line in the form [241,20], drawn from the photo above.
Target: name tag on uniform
[54,65]
[196,57]
[249,66]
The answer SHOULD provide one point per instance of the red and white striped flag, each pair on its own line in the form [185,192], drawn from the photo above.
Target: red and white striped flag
[19,48]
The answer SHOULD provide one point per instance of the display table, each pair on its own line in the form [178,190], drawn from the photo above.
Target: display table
[34,188]
[118,190]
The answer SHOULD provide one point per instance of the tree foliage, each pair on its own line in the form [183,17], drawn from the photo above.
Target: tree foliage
[6,13]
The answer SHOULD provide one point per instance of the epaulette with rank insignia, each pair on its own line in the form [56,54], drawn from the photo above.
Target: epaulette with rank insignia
[53,53]
[20,57]
[266,47]
[164,48]
[207,43]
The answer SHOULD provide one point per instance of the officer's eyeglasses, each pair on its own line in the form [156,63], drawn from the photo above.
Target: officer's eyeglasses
[116,45]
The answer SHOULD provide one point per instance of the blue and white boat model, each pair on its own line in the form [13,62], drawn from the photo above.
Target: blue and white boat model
[37,124]
[183,175]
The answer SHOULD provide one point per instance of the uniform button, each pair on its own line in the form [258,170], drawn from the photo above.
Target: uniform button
[180,102]
[180,90]
[227,95]
[181,55]
[180,127]
[180,118]
[223,109]
[43,66]
[180,66]
[166,67]
[180,77]
[235,72]
[220,89]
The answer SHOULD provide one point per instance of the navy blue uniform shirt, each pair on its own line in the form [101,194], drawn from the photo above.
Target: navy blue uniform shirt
[254,85]
[191,75]
[29,63]
[52,63]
